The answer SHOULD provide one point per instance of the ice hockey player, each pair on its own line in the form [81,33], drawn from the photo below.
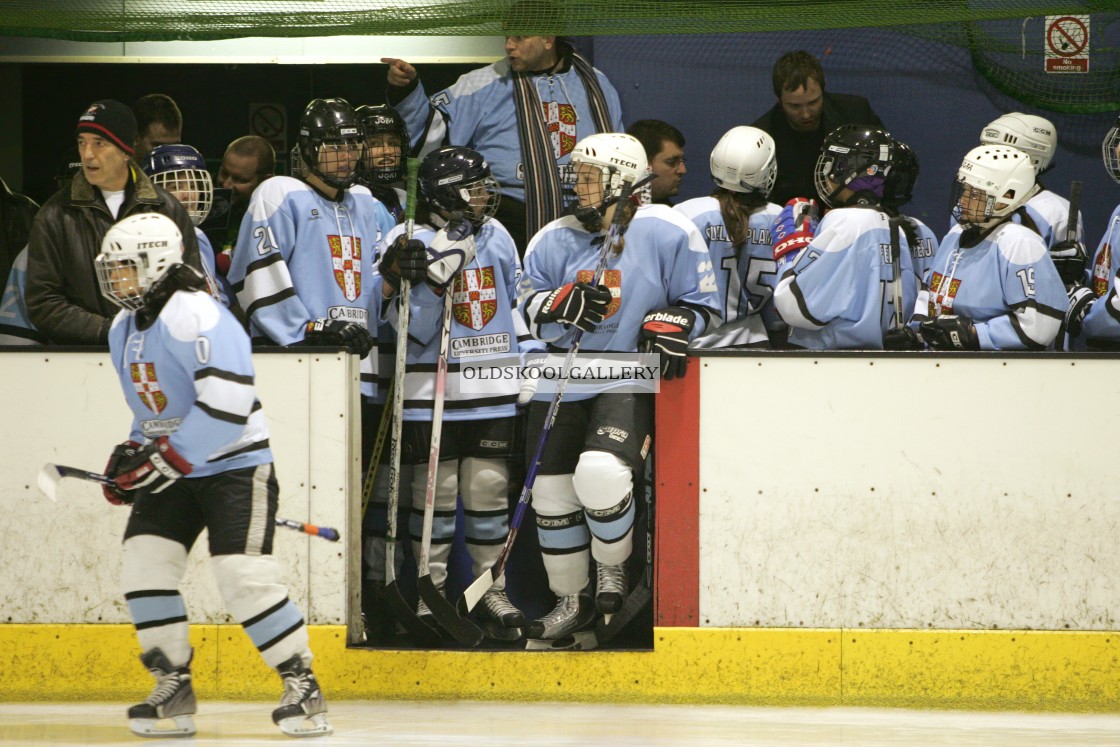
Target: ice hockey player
[992,285]
[735,221]
[383,163]
[838,293]
[657,294]
[1048,211]
[472,264]
[197,457]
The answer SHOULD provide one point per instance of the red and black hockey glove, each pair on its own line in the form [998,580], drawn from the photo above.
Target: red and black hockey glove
[579,304]
[121,453]
[152,468]
[666,331]
[795,228]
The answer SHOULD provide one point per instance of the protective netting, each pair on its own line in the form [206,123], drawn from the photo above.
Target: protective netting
[1062,56]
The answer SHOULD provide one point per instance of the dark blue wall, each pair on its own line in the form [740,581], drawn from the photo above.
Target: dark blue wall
[927,93]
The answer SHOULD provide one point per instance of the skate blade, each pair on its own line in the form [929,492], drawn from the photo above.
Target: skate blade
[582,641]
[149,727]
[496,632]
[306,726]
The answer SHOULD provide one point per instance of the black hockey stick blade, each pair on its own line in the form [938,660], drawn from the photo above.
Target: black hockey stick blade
[420,632]
[635,602]
[462,630]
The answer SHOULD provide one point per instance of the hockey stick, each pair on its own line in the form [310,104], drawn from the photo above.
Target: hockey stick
[478,588]
[378,448]
[398,606]
[51,474]
[461,629]
[1074,210]
[896,260]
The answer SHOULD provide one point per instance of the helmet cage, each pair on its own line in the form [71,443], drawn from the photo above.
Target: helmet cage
[383,124]
[744,160]
[181,170]
[992,182]
[135,254]
[1110,151]
[331,141]
[455,179]
[620,159]
[850,152]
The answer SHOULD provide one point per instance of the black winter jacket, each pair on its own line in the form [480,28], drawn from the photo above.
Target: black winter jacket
[64,300]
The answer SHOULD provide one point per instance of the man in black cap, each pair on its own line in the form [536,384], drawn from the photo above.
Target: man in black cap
[63,298]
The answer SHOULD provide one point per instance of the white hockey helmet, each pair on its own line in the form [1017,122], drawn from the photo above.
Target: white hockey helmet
[620,158]
[744,160]
[992,182]
[135,253]
[1031,134]
[1110,151]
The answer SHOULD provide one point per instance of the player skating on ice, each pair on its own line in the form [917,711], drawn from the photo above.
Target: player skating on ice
[197,457]
[658,292]
[735,222]
[848,286]
[992,284]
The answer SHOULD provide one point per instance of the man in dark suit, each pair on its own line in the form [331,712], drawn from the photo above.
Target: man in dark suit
[804,114]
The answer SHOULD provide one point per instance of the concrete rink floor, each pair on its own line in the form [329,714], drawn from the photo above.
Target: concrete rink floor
[495,724]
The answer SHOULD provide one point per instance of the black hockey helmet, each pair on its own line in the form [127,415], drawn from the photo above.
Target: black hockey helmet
[335,124]
[856,157]
[458,179]
[903,175]
[379,121]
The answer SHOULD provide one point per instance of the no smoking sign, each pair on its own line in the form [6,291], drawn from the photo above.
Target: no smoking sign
[1067,44]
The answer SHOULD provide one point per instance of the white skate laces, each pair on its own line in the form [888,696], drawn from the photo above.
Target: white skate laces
[302,711]
[496,605]
[610,585]
[172,698]
[567,617]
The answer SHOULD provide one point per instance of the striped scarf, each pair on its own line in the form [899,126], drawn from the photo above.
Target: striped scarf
[543,199]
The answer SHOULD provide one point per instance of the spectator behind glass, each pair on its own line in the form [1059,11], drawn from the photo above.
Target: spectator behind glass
[664,146]
[158,122]
[799,121]
[64,301]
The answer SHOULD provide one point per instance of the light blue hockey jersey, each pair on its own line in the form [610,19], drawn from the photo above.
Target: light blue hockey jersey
[922,253]
[840,293]
[209,272]
[189,376]
[745,279]
[300,256]
[664,262]
[1103,321]
[1006,284]
[485,330]
[15,325]
[479,112]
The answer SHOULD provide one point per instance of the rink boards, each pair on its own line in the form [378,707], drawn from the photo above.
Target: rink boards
[857,529]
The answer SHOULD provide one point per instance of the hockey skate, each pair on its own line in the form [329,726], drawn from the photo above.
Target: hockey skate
[610,588]
[302,711]
[501,621]
[173,698]
[563,628]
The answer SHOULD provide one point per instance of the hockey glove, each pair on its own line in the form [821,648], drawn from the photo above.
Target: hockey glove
[950,332]
[666,331]
[1080,302]
[577,304]
[121,453]
[795,228]
[453,248]
[902,338]
[1070,259]
[351,335]
[152,468]
[405,258]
